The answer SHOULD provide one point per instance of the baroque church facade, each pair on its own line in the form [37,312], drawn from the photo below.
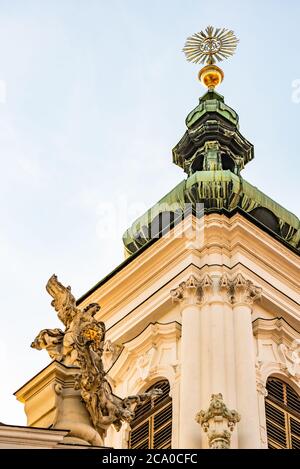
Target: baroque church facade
[205,308]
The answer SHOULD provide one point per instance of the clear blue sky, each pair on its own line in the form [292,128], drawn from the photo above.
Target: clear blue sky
[96,97]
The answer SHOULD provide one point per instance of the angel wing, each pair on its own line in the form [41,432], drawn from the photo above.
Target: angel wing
[63,300]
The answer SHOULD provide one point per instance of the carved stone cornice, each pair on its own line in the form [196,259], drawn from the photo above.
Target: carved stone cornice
[243,291]
[216,421]
[277,329]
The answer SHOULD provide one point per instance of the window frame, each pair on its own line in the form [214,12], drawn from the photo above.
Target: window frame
[149,416]
[288,413]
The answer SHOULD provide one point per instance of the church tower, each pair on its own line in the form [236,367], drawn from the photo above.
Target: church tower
[205,306]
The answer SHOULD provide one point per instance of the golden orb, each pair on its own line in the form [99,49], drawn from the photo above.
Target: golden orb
[208,47]
[211,76]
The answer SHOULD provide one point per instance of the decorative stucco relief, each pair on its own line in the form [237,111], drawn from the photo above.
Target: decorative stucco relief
[153,354]
[290,356]
[147,358]
[278,350]
[278,353]
[260,385]
[145,363]
[110,354]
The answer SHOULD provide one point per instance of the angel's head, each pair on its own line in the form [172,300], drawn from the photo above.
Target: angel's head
[91,309]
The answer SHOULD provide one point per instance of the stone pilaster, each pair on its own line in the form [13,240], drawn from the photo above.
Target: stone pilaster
[217,345]
[242,294]
[189,294]
[217,353]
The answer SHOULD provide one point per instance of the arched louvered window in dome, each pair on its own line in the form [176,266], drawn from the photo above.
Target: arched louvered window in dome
[152,425]
[282,415]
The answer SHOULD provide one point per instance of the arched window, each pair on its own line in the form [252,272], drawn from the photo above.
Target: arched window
[152,425]
[283,415]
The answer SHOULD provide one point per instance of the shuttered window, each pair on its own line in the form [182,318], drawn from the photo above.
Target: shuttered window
[283,415]
[152,425]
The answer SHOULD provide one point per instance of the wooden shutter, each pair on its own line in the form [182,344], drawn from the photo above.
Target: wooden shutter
[152,425]
[282,415]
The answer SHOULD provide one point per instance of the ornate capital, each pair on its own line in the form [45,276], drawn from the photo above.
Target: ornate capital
[224,286]
[206,287]
[236,290]
[216,421]
[241,290]
[193,290]
[188,292]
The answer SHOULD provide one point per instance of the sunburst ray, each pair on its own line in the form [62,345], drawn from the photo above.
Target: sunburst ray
[210,45]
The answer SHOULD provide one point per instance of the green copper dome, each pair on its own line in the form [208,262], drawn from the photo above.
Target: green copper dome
[212,152]
[212,140]
[212,102]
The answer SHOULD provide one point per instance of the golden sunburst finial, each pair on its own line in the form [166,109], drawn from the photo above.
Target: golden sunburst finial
[210,46]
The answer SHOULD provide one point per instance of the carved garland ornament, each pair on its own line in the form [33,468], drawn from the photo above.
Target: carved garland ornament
[82,344]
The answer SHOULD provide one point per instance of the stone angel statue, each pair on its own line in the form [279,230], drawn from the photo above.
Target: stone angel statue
[82,345]
[61,345]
